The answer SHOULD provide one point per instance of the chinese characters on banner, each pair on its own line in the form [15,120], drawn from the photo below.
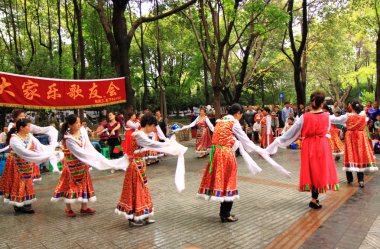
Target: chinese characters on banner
[25,91]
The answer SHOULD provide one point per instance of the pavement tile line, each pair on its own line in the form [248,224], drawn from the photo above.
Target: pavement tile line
[303,228]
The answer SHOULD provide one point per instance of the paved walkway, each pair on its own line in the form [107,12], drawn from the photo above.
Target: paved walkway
[272,213]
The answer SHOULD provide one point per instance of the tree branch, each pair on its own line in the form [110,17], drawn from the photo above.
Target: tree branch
[141,20]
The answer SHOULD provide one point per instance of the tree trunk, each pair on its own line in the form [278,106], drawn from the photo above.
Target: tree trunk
[217,105]
[143,66]
[377,93]
[124,43]
[81,48]
[299,74]
[59,38]
[300,89]
[72,38]
[160,69]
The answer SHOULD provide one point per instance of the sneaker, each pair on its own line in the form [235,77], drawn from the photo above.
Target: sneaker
[361,184]
[87,211]
[70,213]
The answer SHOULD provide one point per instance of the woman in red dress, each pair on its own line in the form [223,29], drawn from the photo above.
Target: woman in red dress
[16,184]
[131,126]
[203,139]
[358,154]
[135,202]
[266,128]
[318,173]
[219,181]
[75,183]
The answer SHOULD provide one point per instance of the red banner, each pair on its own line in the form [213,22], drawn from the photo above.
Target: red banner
[34,92]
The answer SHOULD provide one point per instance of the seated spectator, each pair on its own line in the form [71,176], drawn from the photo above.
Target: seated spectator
[89,131]
[377,126]
[288,125]
[3,135]
[371,129]
[257,131]
[102,132]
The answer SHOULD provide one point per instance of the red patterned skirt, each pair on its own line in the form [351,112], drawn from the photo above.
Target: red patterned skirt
[358,153]
[203,141]
[318,170]
[16,183]
[264,143]
[335,142]
[219,181]
[135,201]
[75,183]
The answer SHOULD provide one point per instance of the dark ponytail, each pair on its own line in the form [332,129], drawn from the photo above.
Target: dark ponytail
[318,97]
[356,106]
[69,120]
[20,123]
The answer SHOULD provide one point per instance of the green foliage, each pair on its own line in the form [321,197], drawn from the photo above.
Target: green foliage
[340,48]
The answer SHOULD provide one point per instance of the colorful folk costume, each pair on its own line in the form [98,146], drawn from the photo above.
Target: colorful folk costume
[135,203]
[318,173]
[266,131]
[16,184]
[219,181]
[358,154]
[203,140]
[130,127]
[75,183]
[335,141]
[52,133]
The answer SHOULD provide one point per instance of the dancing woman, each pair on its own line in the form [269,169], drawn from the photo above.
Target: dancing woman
[50,131]
[16,184]
[203,140]
[219,182]
[318,173]
[75,183]
[358,154]
[135,202]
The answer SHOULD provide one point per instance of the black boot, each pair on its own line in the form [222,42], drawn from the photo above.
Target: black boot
[27,209]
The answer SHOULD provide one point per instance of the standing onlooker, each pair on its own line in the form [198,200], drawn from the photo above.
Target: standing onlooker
[161,122]
[114,139]
[279,116]
[367,108]
[336,108]
[274,121]
[285,112]
[374,111]
[249,115]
